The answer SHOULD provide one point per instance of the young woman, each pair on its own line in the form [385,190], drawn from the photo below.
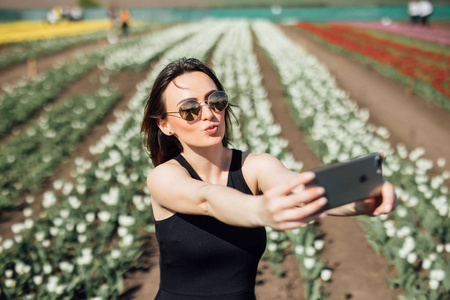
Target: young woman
[211,203]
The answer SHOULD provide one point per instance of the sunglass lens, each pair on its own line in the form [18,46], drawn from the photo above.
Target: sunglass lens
[218,101]
[189,110]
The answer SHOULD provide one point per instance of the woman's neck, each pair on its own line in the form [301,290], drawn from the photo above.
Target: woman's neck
[211,164]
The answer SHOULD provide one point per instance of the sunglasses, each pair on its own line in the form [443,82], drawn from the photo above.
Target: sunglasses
[190,110]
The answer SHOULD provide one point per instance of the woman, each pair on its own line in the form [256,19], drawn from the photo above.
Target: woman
[211,203]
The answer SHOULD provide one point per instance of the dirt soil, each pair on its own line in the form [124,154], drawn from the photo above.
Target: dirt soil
[358,272]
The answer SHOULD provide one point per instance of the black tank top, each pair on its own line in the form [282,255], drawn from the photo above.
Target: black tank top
[204,258]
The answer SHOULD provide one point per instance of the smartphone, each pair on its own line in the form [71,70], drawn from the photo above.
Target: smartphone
[350,181]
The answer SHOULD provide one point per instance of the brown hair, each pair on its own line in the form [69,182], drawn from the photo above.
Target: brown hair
[162,147]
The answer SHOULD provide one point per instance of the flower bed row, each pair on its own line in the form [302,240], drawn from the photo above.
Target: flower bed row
[26,30]
[415,238]
[427,72]
[26,50]
[242,79]
[88,236]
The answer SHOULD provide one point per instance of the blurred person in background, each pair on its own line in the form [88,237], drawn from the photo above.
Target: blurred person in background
[426,10]
[211,203]
[124,19]
[414,11]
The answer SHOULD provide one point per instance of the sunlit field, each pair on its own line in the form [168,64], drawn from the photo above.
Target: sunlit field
[88,228]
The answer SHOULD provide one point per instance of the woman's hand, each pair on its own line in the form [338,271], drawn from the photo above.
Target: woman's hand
[290,205]
[382,204]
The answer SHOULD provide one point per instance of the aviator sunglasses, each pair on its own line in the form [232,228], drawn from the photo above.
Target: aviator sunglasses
[190,110]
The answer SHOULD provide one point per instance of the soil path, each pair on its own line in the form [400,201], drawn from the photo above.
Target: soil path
[411,120]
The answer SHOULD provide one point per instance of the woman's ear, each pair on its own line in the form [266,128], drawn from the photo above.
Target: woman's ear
[164,127]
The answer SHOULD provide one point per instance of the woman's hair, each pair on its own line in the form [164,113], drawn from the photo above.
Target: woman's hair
[162,147]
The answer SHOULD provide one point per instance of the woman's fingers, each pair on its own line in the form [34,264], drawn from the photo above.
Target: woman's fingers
[287,187]
[388,198]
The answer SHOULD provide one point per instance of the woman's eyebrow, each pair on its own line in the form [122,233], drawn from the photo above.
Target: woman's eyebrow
[193,98]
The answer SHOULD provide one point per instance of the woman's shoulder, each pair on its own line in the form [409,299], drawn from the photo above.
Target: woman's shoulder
[168,169]
[260,159]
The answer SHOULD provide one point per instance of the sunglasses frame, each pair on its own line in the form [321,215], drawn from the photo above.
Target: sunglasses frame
[180,110]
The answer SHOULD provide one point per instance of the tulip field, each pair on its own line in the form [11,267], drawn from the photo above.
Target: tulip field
[89,231]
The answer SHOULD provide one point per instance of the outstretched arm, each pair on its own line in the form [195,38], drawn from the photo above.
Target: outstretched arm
[279,207]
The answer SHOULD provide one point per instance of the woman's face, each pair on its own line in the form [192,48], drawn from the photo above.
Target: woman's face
[209,128]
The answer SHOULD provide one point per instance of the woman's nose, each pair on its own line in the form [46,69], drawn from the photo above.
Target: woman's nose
[206,111]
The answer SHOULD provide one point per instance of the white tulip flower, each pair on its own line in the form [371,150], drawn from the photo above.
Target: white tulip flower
[81,227]
[299,249]
[434,284]
[411,258]
[29,223]
[29,199]
[426,264]
[318,244]
[126,221]
[47,269]
[325,274]
[441,162]
[10,283]
[127,240]
[309,262]
[37,279]
[18,239]
[82,238]
[274,235]
[122,231]
[27,212]
[74,202]
[54,231]
[90,217]
[9,273]
[104,216]
[17,228]
[115,253]
[438,275]
[310,251]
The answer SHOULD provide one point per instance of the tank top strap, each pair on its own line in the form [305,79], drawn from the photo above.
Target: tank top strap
[235,177]
[183,162]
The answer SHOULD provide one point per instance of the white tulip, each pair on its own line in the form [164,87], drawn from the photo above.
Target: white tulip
[426,264]
[37,279]
[434,284]
[438,275]
[47,269]
[82,238]
[115,253]
[29,223]
[325,274]
[10,283]
[318,244]
[27,212]
[81,227]
[104,216]
[9,273]
[309,262]
[90,217]
[411,258]
[127,240]
[310,251]
[299,250]
[64,213]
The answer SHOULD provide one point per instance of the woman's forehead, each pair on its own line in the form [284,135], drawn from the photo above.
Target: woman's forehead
[192,82]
